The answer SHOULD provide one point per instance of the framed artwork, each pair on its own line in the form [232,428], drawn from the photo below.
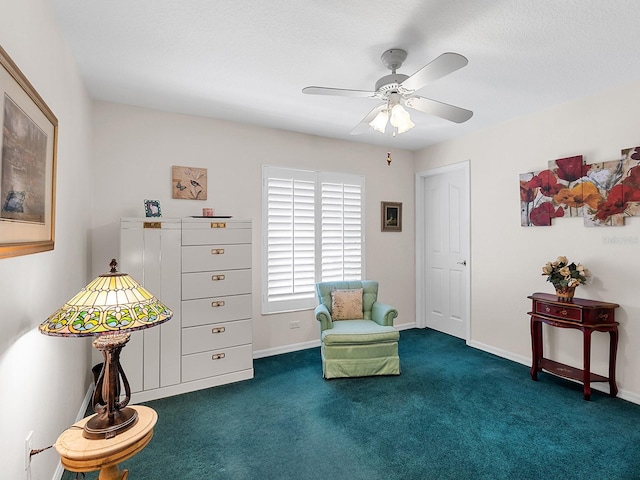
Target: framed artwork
[391,216]
[27,165]
[188,183]
[152,208]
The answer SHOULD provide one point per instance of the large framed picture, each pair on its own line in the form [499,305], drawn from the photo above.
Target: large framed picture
[27,165]
[391,216]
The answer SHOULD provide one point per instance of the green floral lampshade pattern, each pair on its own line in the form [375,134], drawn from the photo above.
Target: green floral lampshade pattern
[111,303]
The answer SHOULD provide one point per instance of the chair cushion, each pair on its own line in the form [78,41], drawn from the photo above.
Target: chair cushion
[359,332]
[346,304]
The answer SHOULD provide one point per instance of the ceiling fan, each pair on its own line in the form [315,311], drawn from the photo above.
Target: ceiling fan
[398,91]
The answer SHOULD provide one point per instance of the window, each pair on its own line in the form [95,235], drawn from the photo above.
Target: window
[313,228]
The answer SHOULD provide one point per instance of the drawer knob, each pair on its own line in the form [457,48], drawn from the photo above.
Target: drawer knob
[563,312]
[218,225]
[219,303]
[217,330]
[217,251]
[547,309]
[215,278]
[217,356]
[603,316]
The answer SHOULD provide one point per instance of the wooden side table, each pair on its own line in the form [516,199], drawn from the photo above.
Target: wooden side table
[588,316]
[79,454]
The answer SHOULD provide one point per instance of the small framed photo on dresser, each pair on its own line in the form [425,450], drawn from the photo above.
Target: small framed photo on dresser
[152,208]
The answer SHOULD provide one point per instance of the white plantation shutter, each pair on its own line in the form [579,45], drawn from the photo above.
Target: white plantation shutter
[313,231]
[341,207]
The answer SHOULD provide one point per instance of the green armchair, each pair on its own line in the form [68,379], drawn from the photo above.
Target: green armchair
[357,334]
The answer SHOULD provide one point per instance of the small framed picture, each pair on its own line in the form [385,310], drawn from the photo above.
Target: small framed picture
[152,208]
[391,216]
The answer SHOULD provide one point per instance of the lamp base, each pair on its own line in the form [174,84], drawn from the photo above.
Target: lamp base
[100,426]
[111,416]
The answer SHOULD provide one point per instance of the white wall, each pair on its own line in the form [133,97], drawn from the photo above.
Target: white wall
[135,149]
[507,259]
[44,379]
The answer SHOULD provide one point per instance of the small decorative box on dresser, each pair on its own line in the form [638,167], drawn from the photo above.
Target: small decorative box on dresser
[581,314]
[204,270]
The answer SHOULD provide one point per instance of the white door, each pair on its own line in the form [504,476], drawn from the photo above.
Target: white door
[443,237]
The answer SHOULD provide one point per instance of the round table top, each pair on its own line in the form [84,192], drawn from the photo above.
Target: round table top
[77,451]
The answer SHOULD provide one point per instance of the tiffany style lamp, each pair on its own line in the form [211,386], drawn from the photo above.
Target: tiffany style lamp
[109,308]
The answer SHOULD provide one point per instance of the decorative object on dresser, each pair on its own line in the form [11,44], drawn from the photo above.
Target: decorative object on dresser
[588,316]
[28,145]
[109,308]
[188,183]
[565,276]
[204,265]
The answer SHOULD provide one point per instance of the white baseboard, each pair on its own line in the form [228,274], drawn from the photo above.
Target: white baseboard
[59,471]
[600,386]
[405,326]
[294,347]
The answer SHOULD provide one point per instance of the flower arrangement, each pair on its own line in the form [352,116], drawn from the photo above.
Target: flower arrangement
[564,275]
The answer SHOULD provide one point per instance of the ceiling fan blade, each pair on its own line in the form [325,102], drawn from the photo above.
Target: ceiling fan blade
[439,109]
[443,65]
[364,126]
[337,91]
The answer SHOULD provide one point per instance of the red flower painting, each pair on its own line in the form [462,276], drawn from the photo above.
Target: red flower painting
[570,169]
[541,215]
[603,193]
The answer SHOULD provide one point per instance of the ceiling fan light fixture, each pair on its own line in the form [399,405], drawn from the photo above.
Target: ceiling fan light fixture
[379,123]
[401,119]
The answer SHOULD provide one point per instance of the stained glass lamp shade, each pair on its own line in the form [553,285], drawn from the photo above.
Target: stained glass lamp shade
[109,308]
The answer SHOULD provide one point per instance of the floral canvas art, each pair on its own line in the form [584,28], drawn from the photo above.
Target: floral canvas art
[602,193]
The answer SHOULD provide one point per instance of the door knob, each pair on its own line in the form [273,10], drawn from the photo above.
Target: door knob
[464,262]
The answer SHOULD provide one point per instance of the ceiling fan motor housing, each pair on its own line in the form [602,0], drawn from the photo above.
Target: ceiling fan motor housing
[389,84]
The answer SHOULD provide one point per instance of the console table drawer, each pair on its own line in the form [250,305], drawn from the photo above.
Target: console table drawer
[560,312]
[215,284]
[216,336]
[216,310]
[202,258]
[216,362]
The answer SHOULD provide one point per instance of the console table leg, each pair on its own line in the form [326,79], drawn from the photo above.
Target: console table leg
[536,347]
[613,350]
[586,374]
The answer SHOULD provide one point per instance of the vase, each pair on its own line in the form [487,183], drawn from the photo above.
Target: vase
[565,293]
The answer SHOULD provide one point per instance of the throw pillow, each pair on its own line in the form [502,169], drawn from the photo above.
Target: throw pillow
[346,304]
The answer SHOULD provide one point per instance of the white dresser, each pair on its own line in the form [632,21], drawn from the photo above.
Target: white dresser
[207,265]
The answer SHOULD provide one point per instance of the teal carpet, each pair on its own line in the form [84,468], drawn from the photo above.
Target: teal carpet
[454,413]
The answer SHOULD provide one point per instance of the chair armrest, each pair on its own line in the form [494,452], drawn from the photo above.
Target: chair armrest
[324,317]
[383,314]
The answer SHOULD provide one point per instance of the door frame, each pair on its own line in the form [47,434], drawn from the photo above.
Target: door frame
[421,267]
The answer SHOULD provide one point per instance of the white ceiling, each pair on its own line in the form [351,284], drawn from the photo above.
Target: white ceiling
[247,61]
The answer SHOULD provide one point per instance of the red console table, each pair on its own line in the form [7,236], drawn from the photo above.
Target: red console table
[585,315]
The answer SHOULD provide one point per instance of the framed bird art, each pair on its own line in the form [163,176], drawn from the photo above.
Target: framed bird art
[188,183]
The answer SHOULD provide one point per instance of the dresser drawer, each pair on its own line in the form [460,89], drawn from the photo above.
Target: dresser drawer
[215,231]
[215,257]
[216,336]
[559,312]
[216,362]
[215,284]
[216,310]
